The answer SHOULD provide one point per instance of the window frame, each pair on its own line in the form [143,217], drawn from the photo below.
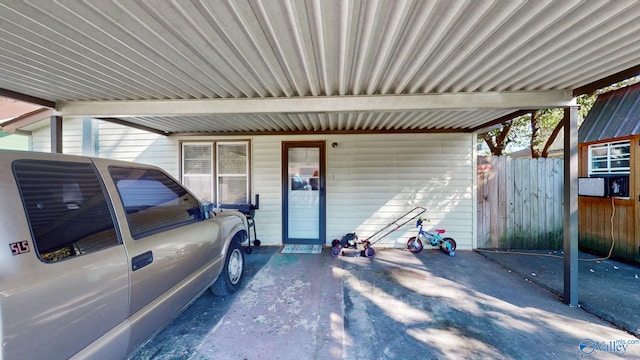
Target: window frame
[160,223]
[184,177]
[609,157]
[219,175]
[216,175]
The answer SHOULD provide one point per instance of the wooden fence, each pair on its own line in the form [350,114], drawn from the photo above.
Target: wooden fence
[520,203]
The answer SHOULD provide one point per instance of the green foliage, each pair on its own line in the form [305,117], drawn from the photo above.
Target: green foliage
[585,102]
[535,131]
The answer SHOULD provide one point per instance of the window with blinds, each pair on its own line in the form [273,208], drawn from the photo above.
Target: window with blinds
[217,171]
[232,180]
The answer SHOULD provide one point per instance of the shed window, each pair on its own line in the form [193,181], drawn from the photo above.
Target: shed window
[610,158]
[217,171]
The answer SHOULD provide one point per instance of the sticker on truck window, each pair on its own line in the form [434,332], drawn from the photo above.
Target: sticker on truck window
[19,247]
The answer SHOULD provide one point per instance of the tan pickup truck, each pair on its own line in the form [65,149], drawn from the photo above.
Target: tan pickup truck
[97,255]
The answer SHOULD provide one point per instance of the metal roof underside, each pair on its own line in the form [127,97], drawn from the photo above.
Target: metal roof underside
[615,114]
[97,57]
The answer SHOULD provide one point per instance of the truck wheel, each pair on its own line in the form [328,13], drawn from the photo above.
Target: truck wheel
[230,278]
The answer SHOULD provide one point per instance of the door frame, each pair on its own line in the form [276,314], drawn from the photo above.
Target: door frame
[321,145]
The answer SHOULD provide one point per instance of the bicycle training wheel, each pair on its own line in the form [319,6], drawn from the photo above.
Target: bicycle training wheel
[449,246]
[414,244]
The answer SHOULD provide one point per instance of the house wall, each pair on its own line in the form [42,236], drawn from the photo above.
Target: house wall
[606,221]
[129,144]
[114,142]
[371,180]
[14,142]
[71,138]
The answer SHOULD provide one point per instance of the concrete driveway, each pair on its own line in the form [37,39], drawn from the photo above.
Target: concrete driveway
[398,305]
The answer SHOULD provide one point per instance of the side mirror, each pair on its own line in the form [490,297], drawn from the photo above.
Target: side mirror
[206,208]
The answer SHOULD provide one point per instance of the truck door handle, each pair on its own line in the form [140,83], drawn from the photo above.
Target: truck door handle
[142,260]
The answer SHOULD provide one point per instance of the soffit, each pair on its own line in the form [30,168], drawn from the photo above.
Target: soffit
[11,109]
[113,52]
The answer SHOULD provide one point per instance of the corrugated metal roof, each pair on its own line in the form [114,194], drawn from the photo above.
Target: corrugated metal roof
[96,50]
[316,122]
[615,114]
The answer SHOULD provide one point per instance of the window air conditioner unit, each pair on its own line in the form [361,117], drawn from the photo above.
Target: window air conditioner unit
[614,185]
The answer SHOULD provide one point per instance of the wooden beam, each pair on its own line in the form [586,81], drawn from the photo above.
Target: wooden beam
[501,120]
[27,98]
[604,82]
[132,125]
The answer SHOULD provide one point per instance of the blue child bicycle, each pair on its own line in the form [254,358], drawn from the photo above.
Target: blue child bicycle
[416,243]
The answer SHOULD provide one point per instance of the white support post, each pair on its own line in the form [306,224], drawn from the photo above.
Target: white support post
[570,241]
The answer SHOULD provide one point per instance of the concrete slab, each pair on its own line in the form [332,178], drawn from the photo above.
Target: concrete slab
[181,338]
[292,309]
[398,305]
[607,288]
[430,305]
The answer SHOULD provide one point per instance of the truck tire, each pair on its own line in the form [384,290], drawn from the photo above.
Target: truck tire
[230,278]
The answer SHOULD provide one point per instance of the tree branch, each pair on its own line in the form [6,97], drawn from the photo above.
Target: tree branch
[535,135]
[496,145]
[552,138]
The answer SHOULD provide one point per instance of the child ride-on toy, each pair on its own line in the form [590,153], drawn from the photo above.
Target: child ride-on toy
[416,243]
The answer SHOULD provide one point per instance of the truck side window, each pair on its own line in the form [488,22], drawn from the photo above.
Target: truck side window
[66,208]
[153,201]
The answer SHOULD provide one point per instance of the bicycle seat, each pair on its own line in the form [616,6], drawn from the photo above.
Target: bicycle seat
[440,231]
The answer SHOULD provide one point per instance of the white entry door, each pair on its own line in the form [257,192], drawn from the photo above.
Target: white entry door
[303,193]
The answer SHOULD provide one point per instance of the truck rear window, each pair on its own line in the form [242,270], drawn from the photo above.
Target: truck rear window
[66,208]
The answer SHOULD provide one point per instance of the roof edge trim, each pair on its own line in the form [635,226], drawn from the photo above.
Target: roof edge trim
[15,125]
[27,98]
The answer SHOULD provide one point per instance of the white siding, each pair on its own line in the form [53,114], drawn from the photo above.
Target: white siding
[265,176]
[129,144]
[41,140]
[14,142]
[115,142]
[374,179]
[71,137]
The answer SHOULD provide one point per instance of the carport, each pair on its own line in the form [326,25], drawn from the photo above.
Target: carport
[224,67]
